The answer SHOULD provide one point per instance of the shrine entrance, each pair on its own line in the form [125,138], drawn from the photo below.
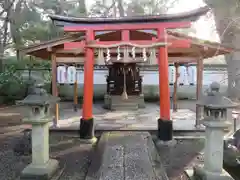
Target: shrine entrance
[116,80]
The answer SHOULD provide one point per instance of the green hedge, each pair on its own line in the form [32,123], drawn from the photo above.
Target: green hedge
[12,85]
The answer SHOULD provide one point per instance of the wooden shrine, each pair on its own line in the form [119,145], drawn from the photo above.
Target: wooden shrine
[122,44]
[115,80]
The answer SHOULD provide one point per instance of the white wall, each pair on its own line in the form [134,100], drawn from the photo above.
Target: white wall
[150,84]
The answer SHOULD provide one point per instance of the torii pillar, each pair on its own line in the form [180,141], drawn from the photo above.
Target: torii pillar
[165,126]
[86,130]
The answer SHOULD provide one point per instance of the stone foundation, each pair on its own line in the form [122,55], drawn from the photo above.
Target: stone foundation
[45,172]
[117,103]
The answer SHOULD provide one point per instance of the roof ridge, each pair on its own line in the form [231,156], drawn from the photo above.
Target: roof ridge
[193,14]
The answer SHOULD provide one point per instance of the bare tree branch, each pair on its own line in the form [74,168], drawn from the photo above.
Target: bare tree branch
[108,9]
[6,9]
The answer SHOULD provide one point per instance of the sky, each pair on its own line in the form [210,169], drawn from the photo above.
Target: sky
[204,27]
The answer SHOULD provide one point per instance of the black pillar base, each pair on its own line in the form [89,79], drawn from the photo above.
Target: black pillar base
[165,130]
[86,130]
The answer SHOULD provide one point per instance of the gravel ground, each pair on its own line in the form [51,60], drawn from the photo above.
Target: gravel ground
[184,154]
[76,158]
[73,156]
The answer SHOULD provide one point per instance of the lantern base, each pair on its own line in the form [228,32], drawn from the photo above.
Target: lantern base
[165,130]
[86,130]
[43,172]
[201,173]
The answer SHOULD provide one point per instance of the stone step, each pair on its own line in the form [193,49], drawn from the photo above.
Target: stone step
[126,156]
[124,104]
[127,103]
[124,108]
[119,100]
[129,98]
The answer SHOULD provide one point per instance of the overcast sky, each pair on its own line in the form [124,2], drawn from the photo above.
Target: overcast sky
[205,27]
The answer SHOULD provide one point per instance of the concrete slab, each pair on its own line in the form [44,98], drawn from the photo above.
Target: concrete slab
[142,119]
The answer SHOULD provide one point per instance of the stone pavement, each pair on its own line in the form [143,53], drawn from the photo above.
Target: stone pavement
[126,156]
[142,119]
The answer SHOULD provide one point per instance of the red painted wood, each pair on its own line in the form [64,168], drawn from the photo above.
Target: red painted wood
[164,90]
[174,43]
[88,79]
[125,35]
[140,26]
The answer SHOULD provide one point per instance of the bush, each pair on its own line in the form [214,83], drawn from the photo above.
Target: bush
[12,84]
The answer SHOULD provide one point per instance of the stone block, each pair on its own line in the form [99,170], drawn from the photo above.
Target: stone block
[107,101]
[170,143]
[44,172]
[132,103]
[201,174]
[141,101]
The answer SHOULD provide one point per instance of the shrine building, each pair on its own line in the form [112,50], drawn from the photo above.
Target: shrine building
[124,45]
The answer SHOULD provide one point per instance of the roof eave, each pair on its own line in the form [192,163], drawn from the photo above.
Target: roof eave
[190,16]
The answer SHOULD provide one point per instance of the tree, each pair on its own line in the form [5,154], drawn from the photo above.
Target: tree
[150,7]
[103,9]
[79,9]
[26,20]
[130,8]
[227,25]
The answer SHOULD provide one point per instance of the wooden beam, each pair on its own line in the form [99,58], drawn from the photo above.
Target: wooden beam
[173,43]
[80,60]
[70,51]
[81,51]
[128,26]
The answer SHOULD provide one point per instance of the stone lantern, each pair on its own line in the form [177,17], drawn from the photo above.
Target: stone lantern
[215,108]
[38,104]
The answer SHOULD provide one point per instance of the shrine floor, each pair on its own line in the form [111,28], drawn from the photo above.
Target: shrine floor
[142,119]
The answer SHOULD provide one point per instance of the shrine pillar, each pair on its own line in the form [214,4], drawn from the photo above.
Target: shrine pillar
[165,127]
[176,65]
[54,87]
[199,109]
[75,94]
[86,130]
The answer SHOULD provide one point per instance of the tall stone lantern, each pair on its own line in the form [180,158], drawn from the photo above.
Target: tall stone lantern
[215,108]
[38,104]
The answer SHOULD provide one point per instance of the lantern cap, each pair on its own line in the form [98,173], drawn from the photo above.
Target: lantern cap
[215,100]
[38,96]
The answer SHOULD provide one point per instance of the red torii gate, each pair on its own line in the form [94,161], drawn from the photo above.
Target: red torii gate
[156,23]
